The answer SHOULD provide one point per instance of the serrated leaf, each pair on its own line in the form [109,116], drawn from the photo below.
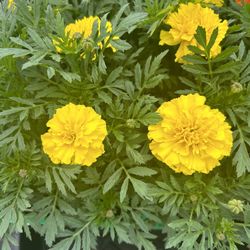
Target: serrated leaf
[150,118]
[128,23]
[142,171]
[124,189]
[114,75]
[63,244]
[86,240]
[13,52]
[121,45]
[50,72]
[140,187]
[59,182]
[200,36]
[139,221]
[50,229]
[212,39]
[112,180]
[134,155]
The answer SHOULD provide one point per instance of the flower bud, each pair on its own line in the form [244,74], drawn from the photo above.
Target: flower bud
[193,198]
[236,87]
[23,173]
[131,123]
[109,214]
[77,35]
[88,44]
[220,236]
[236,206]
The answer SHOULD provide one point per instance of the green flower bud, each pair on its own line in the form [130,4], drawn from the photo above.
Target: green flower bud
[220,236]
[109,214]
[193,198]
[131,123]
[236,206]
[88,44]
[236,87]
[23,173]
[77,35]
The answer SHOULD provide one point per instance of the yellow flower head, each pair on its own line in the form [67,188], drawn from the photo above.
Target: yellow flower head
[191,136]
[184,24]
[75,136]
[82,29]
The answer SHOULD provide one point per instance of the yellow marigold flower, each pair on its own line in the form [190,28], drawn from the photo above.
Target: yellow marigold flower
[184,24]
[191,137]
[75,136]
[82,29]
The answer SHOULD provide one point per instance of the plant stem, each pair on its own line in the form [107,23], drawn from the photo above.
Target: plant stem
[82,228]
[54,203]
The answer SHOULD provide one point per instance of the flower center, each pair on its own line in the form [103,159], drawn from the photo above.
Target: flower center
[190,134]
[69,137]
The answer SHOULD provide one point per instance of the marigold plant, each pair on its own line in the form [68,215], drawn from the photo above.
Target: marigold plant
[125,121]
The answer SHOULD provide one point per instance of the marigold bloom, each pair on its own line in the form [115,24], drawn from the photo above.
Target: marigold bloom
[184,24]
[191,137]
[75,136]
[82,29]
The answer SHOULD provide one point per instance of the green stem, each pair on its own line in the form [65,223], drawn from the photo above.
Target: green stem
[190,218]
[82,228]
[210,68]
[124,169]
[18,192]
[55,201]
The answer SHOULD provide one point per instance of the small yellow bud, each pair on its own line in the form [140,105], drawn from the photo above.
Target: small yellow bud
[236,206]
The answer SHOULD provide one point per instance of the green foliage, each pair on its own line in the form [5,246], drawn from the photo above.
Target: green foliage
[127,193]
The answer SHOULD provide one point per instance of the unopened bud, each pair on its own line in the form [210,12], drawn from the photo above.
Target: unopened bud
[131,123]
[193,198]
[88,44]
[23,173]
[236,87]
[77,35]
[220,236]
[236,206]
[109,214]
